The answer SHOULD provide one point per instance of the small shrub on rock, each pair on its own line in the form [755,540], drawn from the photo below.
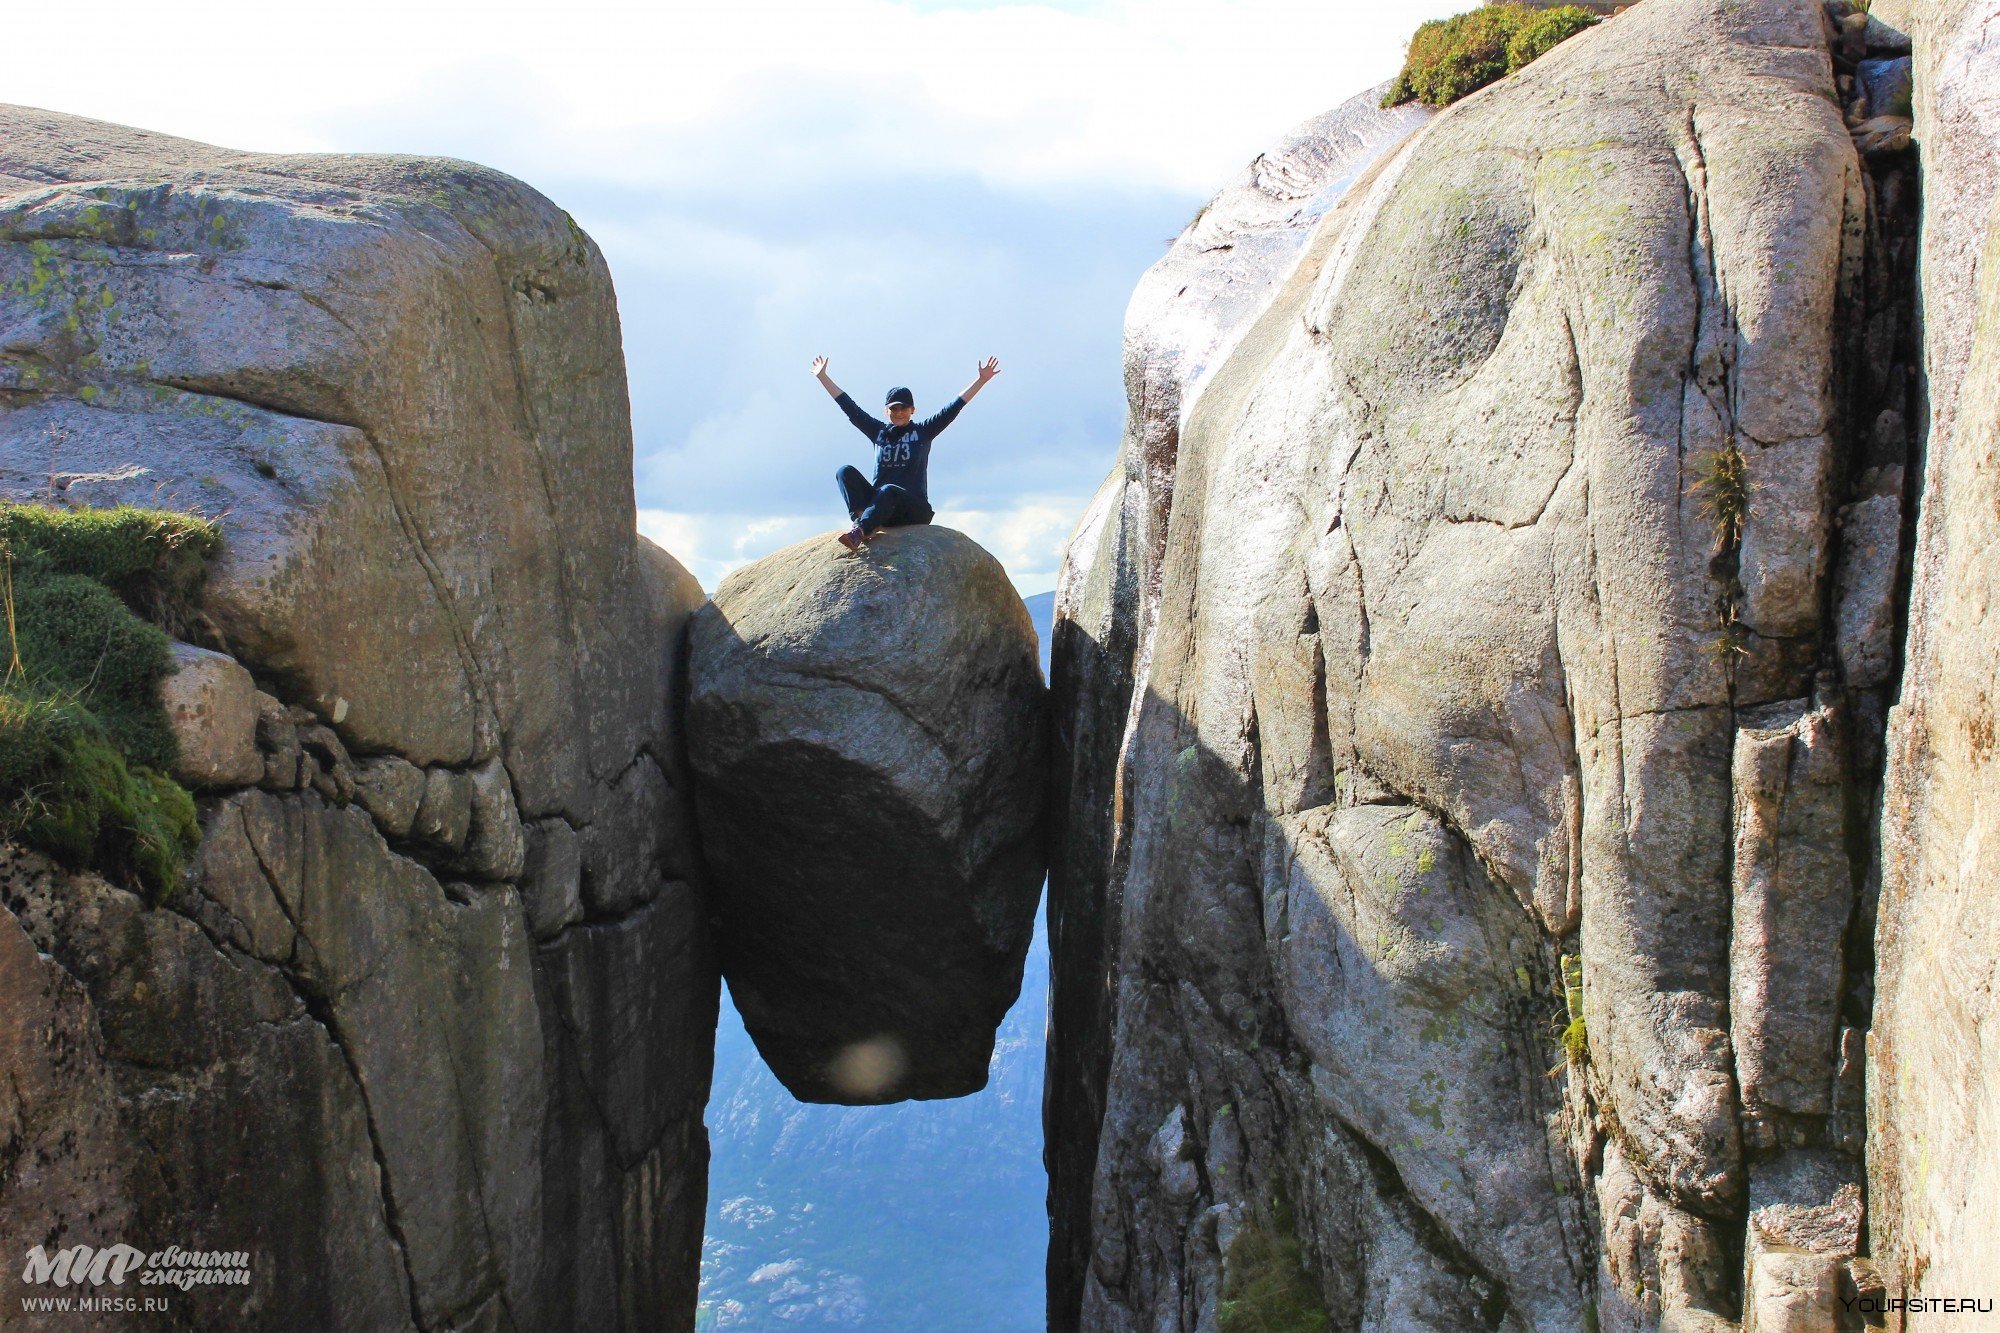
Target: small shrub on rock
[69,792]
[85,745]
[1265,1286]
[1543,30]
[154,559]
[1452,58]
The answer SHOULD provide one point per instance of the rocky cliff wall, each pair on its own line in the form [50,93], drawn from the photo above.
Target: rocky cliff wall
[427,1033]
[1221,272]
[1465,922]
[1934,1068]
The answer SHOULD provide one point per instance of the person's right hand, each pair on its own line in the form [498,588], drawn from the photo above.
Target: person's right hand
[819,367]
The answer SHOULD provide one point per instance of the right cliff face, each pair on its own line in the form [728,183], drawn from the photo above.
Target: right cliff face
[1470,703]
[1934,1070]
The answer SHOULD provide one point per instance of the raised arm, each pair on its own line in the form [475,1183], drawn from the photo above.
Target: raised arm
[864,423]
[987,370]
[825,380]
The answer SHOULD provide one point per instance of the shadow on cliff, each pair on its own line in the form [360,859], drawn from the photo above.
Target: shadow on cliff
[1333,1024]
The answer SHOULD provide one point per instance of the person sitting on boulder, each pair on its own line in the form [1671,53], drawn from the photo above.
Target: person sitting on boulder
[898,496]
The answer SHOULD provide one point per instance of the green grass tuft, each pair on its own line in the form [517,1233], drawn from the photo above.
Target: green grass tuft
[1732,638]
[69,792]
[1722,479]
[1575,1036]
[1453,58]
[1265,1286]
[84,741]
[154,559]
[77,641]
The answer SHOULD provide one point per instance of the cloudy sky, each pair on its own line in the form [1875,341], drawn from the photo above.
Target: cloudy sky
[904,187]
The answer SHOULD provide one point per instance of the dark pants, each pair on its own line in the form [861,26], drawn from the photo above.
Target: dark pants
[874,507]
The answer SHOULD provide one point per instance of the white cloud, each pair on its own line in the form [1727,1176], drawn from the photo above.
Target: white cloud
[902,186]
[713,544]
[1174,92]
[1027,538]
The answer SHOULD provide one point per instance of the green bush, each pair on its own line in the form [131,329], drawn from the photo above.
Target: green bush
[78,641]
[1452,58]
[1265,1286]
[69,792]
[84,741]
[154,559]
[1543,31]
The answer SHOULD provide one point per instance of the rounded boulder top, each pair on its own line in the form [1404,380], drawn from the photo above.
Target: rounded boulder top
[868,737]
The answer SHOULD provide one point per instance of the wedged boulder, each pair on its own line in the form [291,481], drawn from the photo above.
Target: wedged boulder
[866,733]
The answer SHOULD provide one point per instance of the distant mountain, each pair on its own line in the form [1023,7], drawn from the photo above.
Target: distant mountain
[921,1216]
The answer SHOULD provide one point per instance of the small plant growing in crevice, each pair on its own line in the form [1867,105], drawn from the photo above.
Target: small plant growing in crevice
[1575,1036]
[1732,638]
[85,746]
[1265,1286]
[1452,58]
[1722,484]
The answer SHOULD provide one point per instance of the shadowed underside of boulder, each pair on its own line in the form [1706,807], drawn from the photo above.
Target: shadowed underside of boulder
[866,734]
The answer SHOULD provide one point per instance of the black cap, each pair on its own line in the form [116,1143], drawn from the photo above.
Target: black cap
[899,395]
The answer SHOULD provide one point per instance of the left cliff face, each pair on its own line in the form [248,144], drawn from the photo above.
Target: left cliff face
[428,1031]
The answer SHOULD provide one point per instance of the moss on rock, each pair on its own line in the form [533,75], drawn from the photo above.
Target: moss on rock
[1452,58]
[154,559]
[1265,1286]
[85,745]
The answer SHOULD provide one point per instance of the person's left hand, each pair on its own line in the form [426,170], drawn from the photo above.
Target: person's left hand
[989,368]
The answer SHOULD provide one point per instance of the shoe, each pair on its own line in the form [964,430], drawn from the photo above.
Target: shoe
[853,537]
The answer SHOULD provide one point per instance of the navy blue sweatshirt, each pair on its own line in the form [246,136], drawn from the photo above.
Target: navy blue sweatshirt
[902,453]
